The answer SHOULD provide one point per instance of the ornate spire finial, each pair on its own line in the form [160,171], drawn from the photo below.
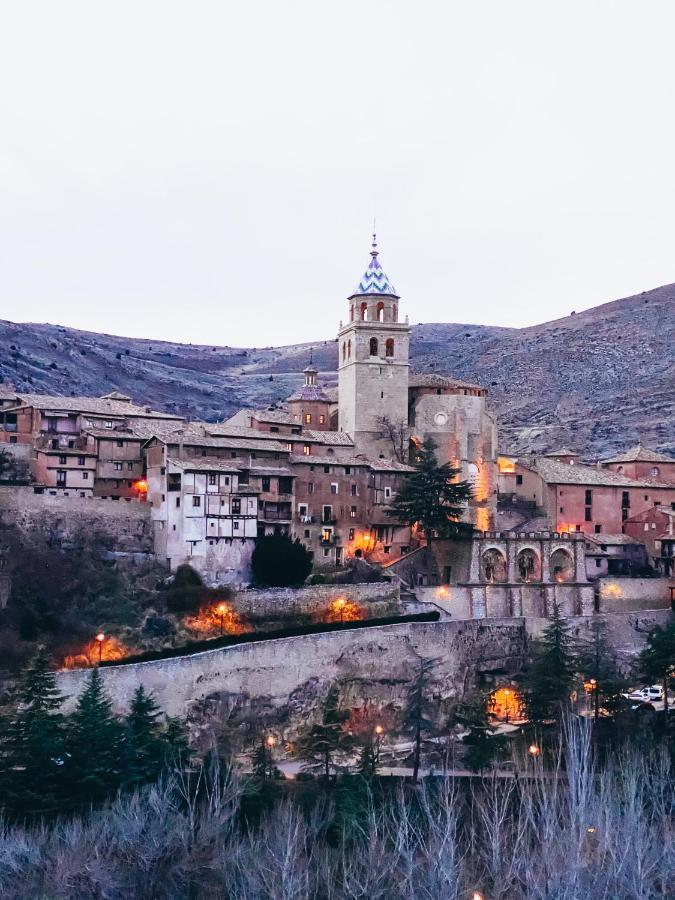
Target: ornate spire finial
[311,355]
[373,251]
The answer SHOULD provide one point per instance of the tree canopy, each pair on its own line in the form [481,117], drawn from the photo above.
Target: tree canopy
[280,561]
[431,497]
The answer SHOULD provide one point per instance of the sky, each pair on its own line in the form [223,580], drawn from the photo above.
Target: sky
[209,172]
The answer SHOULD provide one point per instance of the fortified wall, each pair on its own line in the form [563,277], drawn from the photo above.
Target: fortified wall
[290,676]
[375,599]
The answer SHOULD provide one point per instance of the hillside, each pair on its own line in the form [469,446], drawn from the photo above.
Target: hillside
[597,380]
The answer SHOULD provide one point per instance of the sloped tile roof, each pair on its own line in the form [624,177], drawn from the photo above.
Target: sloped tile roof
[555,472]
[433,379]
[638,453]
[374,279]
[93,405]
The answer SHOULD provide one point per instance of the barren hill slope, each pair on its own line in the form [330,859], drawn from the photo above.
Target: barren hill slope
[597,380]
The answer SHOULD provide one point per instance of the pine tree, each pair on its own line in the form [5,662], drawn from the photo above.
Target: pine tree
[549,681]
[144,741]
[32,751]
[94,744]
[484,745]
[597,663]
[318,743]
[416,708]
[431,497]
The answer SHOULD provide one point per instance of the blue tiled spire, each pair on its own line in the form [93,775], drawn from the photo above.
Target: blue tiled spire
[374,280]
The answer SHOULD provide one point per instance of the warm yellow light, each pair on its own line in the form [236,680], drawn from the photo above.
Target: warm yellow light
[477,896]
[271,740]
[533,750]
[100,637]
[379,729]
[442,592]
[222,609]
[591,829]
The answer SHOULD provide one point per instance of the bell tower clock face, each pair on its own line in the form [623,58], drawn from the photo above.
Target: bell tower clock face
[441,419]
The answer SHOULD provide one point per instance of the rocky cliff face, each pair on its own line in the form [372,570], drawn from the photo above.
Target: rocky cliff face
[597,380]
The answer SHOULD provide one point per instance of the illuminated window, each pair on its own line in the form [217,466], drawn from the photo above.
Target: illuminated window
[308,418]
[322,420]
[306,449]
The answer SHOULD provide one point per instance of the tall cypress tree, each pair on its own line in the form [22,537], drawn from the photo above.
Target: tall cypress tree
[431,497]
[597,661]
[416,708]
[94,744]
[318,743]
[33,743]
[483,745]
[549,681]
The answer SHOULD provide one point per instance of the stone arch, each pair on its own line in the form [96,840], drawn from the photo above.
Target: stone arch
[528,565]
[364,311]
[562,565]
[374,347]
[349,348]
[493,566]
[380,312]
[389,347]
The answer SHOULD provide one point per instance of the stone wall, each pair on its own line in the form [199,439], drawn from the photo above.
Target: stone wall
[377,599]
[623,594]
[487,601]
[290,675]
[122,527]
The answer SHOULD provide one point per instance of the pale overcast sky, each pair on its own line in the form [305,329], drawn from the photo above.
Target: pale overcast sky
[208,172]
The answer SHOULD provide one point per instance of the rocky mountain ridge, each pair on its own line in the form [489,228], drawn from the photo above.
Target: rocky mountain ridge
[597,381]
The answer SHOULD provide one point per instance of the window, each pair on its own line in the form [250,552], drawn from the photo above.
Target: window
[196,501]
[85,476]
[326,551]
[55,444]
[387,493]
[108,423]
[352,532]
[235,526]
[588,514]
[389,347]
[302,509]
[355,490]
[274,429]
[562,509]
[373,346]
[236,505]
[348,470]
[597,564]
[334,487]
[322,420]
[213,479]
[63,460]
[589,497]
[406,549]
[380,312]
[326,470]
[306,532]
[352,512]
[625,498]
[130,466]
[310,487]
[327,513]
[598,529]
[60,478]
[308,418]
[120,443]
[519,479]
[117,466]
[306,449]
[266,483]
[624,513]
[387,548]
[655,471]
[177,502]
[364,311]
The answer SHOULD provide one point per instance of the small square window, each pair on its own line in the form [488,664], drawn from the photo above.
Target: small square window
[196,501]
[85,476]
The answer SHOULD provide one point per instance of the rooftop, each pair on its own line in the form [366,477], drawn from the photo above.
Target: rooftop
[204,464]
[374,280]
[612,540]
[555,472]
[310,393]
[638,453]
[433,379]
[94,406]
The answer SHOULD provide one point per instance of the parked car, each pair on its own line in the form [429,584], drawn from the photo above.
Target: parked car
[651,694]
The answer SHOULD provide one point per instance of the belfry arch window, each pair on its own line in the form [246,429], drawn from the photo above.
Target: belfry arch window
[344,351]
[364,311]
[349,348]
[380,312]
[373,346]
[655,471]
[351,313]
[389,347]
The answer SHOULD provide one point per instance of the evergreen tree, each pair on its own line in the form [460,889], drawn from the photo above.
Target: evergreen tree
[145,744]
[280,561]
[32,752]
[597,663]
[94,744]
[484,745]
[317,744]
[657,661]
[549,681]
[431,497]
[415,709]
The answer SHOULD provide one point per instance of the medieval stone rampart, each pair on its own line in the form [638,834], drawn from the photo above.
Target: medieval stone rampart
[378,598]
[376,663]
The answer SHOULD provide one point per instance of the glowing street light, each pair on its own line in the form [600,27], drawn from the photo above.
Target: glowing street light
[100,637]
[221,609]
[477,896]
[271,741]
[534,750]
[340,604]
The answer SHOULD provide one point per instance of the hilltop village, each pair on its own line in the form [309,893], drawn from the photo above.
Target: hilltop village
[324,466]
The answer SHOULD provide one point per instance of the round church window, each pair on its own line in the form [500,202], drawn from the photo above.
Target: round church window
[440,418]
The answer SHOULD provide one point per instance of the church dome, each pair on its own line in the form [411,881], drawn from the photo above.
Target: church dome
[374,280]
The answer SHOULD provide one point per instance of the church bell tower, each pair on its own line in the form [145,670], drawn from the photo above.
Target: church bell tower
[373,366]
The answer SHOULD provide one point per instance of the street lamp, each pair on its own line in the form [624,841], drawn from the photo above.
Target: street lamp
[379,731]
[534,750]
[221,609]
[100,637]
[270,741]
[340,604]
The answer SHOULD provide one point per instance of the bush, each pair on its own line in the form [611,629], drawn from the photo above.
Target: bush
[279,561]
[186,591]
